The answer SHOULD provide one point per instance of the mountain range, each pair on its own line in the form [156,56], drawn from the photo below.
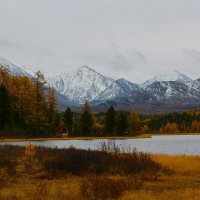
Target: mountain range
[169,93]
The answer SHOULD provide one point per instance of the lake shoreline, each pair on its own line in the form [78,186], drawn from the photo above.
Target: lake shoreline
[143,136]
[73,138]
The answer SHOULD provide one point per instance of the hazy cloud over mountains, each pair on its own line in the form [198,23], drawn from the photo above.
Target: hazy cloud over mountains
[133,39]
[194,54]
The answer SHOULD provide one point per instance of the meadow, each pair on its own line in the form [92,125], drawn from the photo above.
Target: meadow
[48,173]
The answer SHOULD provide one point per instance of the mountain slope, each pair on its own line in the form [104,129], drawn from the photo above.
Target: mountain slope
[168,90]
[13,69]
[119,88]
[17,71]
[156,95]
[194,88]
[83,84]
[170,76]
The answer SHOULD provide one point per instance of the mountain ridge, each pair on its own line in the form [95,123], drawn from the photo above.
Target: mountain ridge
[85,83]
[172,76]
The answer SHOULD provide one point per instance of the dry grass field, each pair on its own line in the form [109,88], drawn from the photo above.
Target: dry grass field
[38,175]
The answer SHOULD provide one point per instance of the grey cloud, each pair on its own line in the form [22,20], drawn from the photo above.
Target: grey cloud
[125,61]
[192,53]
[25,48]
[9,43]
[138,56]
[5,43]
[148,35]
[116,58]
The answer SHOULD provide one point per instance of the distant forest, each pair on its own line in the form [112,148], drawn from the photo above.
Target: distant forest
[28,109]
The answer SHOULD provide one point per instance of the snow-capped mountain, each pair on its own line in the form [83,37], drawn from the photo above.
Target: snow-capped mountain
[80,85]
[194,84]
[170,76]
[194,88]
[168,89]
[119,88]
[12,69]
[175,91]
[17,71]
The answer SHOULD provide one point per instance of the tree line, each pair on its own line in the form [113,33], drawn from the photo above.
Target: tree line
[121,123]
[185,122]
[110,123]
[28,108]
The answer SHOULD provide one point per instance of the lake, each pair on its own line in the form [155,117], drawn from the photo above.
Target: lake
[182,144]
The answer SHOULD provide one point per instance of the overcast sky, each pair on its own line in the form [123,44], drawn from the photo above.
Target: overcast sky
[134,39]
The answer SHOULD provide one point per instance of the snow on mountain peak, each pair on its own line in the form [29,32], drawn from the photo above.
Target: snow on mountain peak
[82,84]
[170,76]
[85,83]
[119,88]
[86,68]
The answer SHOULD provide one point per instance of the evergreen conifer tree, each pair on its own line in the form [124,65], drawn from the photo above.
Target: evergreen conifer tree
[121,123]
[110,120]
[68,120]
[5,107]
[86,120]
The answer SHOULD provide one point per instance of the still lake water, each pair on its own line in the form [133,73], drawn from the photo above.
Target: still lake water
[183,144]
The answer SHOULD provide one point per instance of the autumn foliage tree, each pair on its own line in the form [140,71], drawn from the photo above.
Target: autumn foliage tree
[31,102]
[39,100]
[134,123]
[195,127]
[145,129]
[169,128]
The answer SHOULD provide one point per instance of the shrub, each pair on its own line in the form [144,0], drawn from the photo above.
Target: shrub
[76,161]
[29,156]
[59,161]
[11,152]
[87,161]
[8,167]
[101,188]
[105,187]
[9,156]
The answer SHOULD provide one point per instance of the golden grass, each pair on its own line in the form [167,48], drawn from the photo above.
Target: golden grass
[180,164]
[183,184]
[181,194]
[29,188]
